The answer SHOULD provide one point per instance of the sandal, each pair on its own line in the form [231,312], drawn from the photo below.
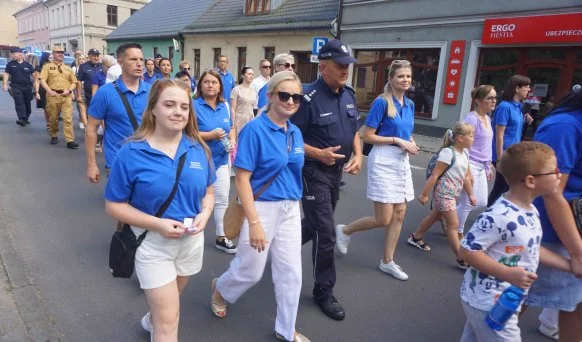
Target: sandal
[298,337]
[418,243]
[218,307]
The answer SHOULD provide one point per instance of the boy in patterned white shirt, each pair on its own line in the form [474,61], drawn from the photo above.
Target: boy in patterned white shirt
[503,246]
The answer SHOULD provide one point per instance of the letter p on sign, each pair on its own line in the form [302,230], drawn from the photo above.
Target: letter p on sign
[318,43]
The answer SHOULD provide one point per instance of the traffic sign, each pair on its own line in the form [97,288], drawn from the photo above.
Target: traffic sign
[318,42]
[314,59]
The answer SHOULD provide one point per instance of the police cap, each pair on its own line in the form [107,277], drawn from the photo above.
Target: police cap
[58,48]
[93,52]
[336,51]
[15,49]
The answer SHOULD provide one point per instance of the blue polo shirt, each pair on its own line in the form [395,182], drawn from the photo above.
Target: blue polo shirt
[106,105]
[208,120]
[99,79]
[86,72]
[265,148]
[144,177]
[328,119]
[155,76]
[507,114]
[399,126]
[563,132]
[228,83]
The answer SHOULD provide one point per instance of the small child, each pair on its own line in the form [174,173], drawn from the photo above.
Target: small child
[503,246]
[448,178]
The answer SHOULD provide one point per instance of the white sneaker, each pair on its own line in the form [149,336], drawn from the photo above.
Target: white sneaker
[81,126]
[393,269]
[146,323]
[553,333]
[341,240]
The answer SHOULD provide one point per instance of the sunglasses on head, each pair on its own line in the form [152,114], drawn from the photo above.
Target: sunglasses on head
[287,65]
[284,97]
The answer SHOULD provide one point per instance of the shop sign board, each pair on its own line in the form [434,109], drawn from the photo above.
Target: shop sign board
[454,69]
[557,28]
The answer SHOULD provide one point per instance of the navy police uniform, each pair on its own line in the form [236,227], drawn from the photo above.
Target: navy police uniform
[326,119]
[21,87]
[85,74]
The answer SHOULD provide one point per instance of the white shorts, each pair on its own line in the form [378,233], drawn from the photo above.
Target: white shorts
[159,260]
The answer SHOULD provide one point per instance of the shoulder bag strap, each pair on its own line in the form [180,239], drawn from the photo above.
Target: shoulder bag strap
[166,204]
[272,179]
[127,107]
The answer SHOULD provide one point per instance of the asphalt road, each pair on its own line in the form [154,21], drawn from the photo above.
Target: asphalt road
[57,223]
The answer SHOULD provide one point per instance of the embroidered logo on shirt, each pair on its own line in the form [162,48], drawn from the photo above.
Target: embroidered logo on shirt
[322,115]
[196,165]
[298,150]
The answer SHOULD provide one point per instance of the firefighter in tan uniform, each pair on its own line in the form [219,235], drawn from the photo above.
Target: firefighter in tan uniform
[59,81]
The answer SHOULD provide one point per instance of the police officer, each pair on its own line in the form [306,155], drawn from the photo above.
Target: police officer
[19,73]
[59,81]
[329,121]
[85,75]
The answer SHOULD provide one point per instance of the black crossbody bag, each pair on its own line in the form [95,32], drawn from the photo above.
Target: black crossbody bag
[132,118]
[124,243]
[368,147]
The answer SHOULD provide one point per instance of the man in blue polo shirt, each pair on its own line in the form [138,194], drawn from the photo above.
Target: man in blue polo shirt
[107,106]
[228,81]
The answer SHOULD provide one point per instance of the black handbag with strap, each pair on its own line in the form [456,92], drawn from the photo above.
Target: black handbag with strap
[124,243]
[130,113]
[367,148]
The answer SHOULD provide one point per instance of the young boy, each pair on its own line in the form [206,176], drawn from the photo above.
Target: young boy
[503,246]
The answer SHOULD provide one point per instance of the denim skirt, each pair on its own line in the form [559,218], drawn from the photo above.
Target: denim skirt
[555,289]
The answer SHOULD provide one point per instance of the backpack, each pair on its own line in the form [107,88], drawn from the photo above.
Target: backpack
[433,161]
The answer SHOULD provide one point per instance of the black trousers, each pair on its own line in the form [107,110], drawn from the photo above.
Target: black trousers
[88,96]
[499,187]
[22,95]
[320,196]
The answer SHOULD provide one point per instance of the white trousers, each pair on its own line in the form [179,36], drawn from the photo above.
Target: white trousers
[221,191]
[480,190]
[282,224]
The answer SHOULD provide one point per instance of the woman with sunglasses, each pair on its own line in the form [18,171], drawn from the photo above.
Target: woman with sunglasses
[243,99]
[480,153]
[389,127]
[215,122]
[271,148]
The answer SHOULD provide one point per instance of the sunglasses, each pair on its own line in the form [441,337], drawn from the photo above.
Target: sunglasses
[284,97]
[287,65]
[266,66]
[555,172]
[188,68]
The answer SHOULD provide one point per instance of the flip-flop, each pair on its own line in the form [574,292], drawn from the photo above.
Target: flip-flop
[218,308]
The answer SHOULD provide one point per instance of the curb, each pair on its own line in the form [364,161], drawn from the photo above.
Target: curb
[30,309]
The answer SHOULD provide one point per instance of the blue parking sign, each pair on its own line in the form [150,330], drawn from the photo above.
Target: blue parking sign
[318,43]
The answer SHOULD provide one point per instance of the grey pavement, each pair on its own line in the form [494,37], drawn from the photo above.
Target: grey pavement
[58,228]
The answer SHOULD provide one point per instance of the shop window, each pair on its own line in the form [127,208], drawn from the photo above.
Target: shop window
[497,57]
[424,76]
[545,54]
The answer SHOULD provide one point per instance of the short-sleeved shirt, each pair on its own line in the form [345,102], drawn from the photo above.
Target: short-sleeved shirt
[260,86]
[144,177]
[98,79]
[399,126]
[86,72]
[265,149]
[328,119]
[58,76]
[228,83]
[508,114]
[106,105]
[113,73]
[563,132]
[481,150]
[151,79]
[210,119]
[457,172]
[509,235]
[20,73]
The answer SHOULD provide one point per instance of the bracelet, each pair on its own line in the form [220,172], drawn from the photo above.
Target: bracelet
[254,222]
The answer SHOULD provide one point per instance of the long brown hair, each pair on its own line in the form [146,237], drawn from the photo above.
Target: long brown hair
[514,82]
[214,73]
[148,120]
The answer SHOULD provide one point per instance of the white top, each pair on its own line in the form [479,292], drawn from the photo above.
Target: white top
[458,171]
[113,73]
[508,234]
[257,85]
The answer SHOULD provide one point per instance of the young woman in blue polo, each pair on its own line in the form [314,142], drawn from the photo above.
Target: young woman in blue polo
[215,122]
[507,123]
[141,179]
[270,147]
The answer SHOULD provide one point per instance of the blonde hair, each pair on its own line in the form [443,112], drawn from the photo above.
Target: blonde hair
[148,121]
[31,59]
[387,95]
[460,128]
[523,159]
[277,79]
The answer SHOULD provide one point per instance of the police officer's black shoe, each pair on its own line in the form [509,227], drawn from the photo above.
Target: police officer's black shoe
[26,122]
[54,140]
[20,122]
[72,145]
[331,308]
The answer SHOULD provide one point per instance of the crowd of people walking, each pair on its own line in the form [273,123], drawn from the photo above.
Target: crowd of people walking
[171,142]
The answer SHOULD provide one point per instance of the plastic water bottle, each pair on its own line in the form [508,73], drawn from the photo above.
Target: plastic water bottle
[505,307]
[226,144]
